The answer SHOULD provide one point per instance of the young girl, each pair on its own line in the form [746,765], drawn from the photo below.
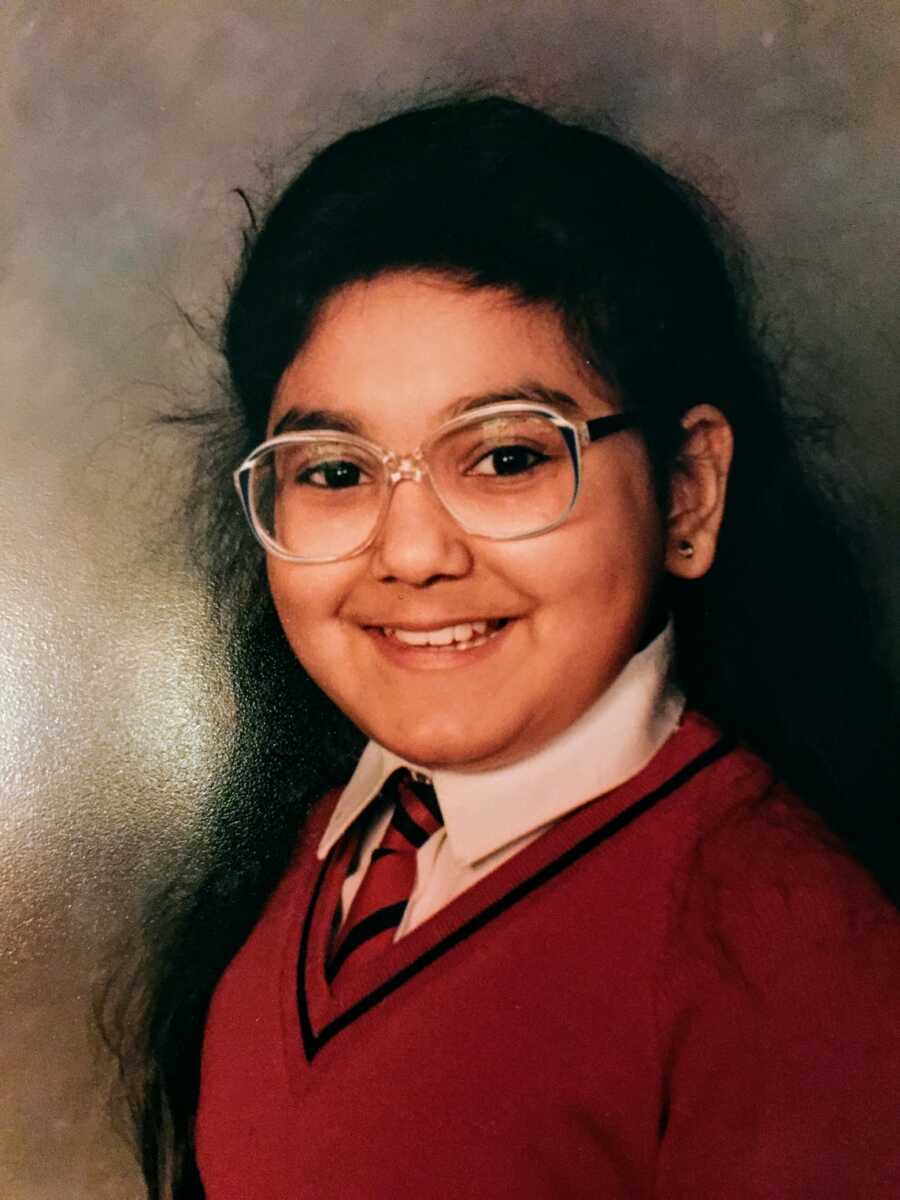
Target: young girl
[548,860]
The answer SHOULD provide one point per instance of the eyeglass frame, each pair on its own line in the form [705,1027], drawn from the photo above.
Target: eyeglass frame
[577,435]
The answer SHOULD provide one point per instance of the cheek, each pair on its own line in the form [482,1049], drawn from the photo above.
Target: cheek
[304,598]
[592,606]
[604,554]
[623,528]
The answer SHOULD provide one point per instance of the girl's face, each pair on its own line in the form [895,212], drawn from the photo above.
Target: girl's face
[397,354]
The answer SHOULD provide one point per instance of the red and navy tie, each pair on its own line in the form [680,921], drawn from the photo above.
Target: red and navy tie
[382,896]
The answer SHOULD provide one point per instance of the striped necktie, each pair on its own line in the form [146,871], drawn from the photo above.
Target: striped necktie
[382,896]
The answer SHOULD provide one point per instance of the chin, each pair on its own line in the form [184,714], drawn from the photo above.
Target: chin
[451,749]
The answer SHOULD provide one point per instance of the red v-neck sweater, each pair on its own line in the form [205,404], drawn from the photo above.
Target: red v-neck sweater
[677,991]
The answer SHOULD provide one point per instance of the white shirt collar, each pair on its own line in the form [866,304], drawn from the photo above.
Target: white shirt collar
[486,810]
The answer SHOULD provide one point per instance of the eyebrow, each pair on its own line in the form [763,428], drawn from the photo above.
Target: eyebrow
[530,392]
[296,420]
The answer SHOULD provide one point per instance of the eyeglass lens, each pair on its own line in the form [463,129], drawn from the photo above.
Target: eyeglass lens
[504,477]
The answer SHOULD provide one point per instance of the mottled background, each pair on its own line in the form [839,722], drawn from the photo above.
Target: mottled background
[124,127]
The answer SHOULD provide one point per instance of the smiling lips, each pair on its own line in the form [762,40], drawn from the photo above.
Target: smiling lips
[464,636]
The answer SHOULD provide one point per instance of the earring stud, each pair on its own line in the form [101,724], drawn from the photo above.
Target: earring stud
[686,548]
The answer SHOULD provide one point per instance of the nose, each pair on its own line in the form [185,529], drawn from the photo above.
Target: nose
[419,541]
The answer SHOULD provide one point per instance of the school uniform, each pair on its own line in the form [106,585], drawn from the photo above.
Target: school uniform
[630,966]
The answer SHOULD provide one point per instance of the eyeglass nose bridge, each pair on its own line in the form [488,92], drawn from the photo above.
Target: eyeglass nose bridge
[409,466]
[415,469]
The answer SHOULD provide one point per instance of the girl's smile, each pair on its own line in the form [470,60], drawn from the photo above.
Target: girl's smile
[461,635]
[446,647]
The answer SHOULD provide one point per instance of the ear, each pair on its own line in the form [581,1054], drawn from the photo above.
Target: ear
[697,492]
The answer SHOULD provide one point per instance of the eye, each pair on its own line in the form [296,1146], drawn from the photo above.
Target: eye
[333,475]
[508,460]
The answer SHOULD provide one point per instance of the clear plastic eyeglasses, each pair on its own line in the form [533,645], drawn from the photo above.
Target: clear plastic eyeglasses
[510,470]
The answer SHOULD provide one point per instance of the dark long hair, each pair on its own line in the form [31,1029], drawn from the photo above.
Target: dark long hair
[779,643]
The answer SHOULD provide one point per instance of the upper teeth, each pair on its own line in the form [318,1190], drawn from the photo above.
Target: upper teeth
[439,637]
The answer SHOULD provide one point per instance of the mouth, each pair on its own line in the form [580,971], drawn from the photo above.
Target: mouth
[461,636]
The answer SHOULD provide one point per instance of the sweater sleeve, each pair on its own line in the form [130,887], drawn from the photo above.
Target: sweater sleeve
[780,1003]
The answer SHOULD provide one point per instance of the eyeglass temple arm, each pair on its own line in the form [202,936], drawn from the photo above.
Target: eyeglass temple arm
[601,427]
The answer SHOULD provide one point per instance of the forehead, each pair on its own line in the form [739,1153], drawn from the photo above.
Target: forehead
[398,354]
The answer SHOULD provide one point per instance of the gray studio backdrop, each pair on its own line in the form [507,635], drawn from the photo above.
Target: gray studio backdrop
[125,125]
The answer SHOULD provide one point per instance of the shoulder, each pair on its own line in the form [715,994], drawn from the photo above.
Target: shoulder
[758,845]
[777,991]
[744,827]
[776,1000]
[761,889]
